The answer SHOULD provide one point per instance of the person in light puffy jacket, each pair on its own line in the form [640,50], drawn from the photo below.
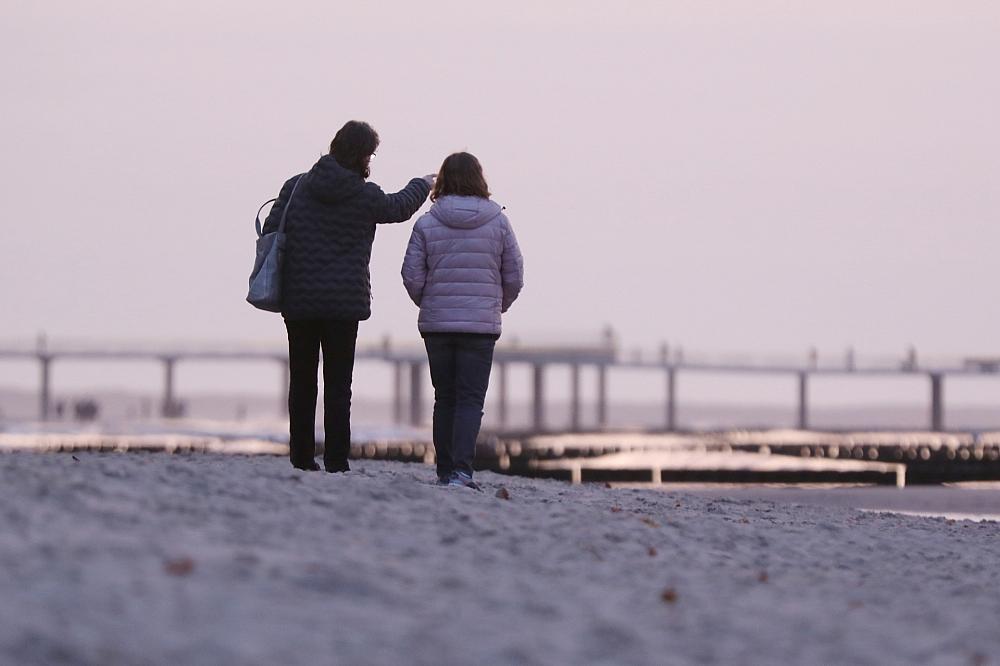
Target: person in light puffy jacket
[463,268]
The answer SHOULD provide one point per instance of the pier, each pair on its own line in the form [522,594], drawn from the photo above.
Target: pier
[409,373]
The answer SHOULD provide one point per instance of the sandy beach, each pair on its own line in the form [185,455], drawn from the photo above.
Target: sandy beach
[215,559]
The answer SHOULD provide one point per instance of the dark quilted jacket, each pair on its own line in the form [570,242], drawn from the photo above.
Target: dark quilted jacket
[329,231]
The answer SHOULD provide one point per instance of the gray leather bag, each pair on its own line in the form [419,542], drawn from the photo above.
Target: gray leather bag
[265,279]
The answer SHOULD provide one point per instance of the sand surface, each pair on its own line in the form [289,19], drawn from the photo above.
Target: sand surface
[966,501]
[213,559]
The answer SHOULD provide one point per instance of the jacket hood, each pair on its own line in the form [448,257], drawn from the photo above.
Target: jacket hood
[329,182]
[461,212]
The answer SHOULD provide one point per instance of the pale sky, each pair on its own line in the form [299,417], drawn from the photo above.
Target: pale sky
[727,176]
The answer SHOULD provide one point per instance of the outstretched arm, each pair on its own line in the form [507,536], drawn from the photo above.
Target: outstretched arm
[415,266]
[399,207]
[511,269]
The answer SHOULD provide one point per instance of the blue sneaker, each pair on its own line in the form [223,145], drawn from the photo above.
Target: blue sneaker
[444,480]
[461,479]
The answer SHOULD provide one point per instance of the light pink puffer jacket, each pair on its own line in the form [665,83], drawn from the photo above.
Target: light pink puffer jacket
[463,266]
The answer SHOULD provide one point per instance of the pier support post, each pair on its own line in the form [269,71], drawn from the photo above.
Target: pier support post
[574,397]
[397,392]
[602,396]
[502,401]
[416,391]
[168,406]
[937,402]
[45,387]
[538,397]
[671,400]
[803,421]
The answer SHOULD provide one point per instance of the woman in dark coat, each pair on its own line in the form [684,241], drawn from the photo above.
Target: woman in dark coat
[326,289]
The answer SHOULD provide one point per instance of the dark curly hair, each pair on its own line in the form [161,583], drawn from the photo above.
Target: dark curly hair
[354,145]
[462,174]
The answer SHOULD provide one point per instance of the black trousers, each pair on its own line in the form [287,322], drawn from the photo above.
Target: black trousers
[337,339]
[460,371]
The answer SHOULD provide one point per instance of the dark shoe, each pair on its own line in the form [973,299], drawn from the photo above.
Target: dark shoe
[338,466]
[310,466]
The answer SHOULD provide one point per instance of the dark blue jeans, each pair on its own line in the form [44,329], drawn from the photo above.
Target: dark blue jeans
[460,371]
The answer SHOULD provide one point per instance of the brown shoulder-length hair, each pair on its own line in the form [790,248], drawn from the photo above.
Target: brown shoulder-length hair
[354,145]
[461,174]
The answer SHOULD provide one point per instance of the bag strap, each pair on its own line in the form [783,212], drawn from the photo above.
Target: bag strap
[259,234]
[284,211]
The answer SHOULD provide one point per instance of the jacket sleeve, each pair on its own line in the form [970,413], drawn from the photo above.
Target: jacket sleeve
[415,266]
[399,207]
[274,215]
[511,269]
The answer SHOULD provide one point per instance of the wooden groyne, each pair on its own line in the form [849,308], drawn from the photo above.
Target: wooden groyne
[138,443]
[750,456]
[734,467]
[780,456]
